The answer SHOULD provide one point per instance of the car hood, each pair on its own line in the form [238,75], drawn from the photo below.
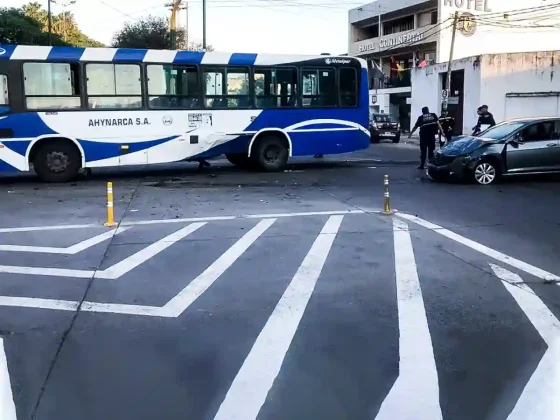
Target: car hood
[464,145]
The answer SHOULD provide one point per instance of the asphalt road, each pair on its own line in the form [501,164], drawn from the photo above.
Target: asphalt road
[230,295]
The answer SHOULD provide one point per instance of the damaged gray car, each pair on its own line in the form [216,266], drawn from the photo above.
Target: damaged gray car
[516,147]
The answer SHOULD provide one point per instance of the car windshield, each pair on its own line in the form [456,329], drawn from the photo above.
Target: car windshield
[501,131]
[382,118]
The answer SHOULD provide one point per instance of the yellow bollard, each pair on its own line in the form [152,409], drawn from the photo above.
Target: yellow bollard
[387,205]
[110,209]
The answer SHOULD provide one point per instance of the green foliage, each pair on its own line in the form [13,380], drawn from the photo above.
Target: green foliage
[153,33]
[28,25]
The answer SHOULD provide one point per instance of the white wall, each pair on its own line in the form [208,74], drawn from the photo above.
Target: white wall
[426,90]
[520,73]
[383,101]
[490,39]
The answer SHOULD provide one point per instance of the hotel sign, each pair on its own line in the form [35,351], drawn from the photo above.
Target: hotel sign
[406,39]
[477,5]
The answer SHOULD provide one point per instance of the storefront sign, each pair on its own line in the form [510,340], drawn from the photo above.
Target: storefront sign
[478,5]
[409,38]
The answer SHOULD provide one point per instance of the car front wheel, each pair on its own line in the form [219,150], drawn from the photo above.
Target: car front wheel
[486,173]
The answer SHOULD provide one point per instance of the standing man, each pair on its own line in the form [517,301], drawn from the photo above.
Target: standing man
[484,118]
[447,123]
[429,126]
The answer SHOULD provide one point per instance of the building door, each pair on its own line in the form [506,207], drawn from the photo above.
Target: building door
[456,98]
[400,109]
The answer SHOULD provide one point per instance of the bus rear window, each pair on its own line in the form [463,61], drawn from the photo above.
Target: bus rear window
[4,89]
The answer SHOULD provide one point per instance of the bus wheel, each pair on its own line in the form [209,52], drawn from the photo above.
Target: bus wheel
[270,153]
[57,161]
[239,159]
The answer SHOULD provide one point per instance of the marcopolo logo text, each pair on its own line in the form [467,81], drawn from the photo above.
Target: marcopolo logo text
[336,61]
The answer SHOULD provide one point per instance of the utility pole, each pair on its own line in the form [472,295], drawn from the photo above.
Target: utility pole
[186,9]
[204,25]
[448,80]
[49,19]
[173,22]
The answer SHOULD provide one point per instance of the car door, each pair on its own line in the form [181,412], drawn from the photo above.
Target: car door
[535,149]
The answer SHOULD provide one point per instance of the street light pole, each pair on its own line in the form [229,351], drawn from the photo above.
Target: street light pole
[49,21]
[173,22]
[204,25]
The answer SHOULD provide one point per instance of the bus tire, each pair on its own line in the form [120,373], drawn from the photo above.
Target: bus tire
[270,153]
[57,160]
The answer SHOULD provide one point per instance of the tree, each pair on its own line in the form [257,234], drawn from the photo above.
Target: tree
[29,26]
[153,33]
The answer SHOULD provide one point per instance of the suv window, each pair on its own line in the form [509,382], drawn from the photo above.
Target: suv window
[556,134]
[539,131]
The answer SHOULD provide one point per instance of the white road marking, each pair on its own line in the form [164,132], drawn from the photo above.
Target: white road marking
[177,305]
[200,284]
[130,263]
[115,271]
[415,393]
[492,253]
[7,405]
[250,387]
[71,250]
[189,220]
[539,399]
[24,302]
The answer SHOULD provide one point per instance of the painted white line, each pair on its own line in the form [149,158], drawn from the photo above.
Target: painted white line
[42,228]
[415,393]
[506,259]
[187,220]
[114,308]
[200,284]
[71,250]
[130,263]
[24,302]
[250,387]
[46,271]
[115,271]
[7,405]
[539,399]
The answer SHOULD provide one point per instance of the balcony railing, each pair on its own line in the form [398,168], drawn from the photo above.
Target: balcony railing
[387,82]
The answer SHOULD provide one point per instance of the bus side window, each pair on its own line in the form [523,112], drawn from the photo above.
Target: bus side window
[319,88]
[52,85]
[4,100]
[172,86]
[275,88]
[347,87]
[114,86]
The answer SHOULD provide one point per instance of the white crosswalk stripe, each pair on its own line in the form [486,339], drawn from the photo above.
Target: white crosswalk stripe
[418,380]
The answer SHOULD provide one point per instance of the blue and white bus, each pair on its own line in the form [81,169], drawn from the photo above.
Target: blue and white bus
[63,108]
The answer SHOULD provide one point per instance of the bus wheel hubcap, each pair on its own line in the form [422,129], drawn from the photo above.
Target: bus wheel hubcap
[272,154]
[57,161]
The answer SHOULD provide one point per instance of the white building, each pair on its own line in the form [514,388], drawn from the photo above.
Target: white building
[407,32]
[512,85]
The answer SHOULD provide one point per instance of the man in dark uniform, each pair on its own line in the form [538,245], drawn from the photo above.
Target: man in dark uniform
[447,124]
[429,126]
[484,118]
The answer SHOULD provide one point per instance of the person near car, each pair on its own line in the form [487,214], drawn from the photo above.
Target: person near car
[429,126]
[447,123]
[485,118]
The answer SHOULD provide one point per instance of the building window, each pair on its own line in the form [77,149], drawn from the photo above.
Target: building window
[112,86]
[275,88]
[4,90]
[433,17]
[171,86]
[319,87]
[348,87]
[51,85]
[227,87]
[398,25]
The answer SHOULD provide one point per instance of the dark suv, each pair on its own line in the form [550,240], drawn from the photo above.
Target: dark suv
[517,147]
[382,126]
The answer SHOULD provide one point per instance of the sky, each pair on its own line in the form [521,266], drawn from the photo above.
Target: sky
[257,26]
